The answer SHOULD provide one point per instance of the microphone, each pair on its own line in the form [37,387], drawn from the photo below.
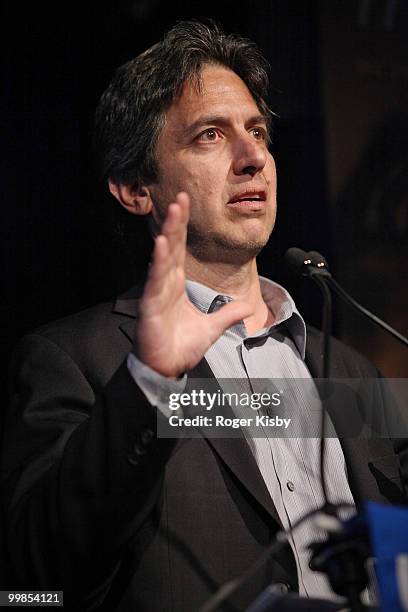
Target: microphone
[319,261]
[306,264]
[302,264]
[298,261]
[313,263]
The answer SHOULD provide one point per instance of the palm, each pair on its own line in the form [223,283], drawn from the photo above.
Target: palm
[172,335]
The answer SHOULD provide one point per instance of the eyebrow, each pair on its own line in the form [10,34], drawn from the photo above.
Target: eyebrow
[220,120]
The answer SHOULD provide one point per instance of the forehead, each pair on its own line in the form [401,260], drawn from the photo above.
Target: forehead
[220,92]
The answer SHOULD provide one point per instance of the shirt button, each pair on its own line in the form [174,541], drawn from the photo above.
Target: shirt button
[146,436]
[290,485]
[132,459]
[282,587]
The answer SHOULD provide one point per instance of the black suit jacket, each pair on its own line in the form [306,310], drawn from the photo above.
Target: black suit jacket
[120,520]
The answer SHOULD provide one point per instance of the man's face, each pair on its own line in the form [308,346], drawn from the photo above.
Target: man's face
[213,147]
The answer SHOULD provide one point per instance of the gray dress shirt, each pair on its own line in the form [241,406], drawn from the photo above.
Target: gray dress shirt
[289,465]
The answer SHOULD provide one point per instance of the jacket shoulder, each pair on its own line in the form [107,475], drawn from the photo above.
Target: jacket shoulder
[86,323]
[94,339]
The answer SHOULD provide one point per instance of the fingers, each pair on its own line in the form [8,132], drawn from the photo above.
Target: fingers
[175,227]
[169,249]
[183,201]
[227,316]
[159,266]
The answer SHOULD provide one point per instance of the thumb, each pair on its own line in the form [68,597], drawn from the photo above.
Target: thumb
[227,316]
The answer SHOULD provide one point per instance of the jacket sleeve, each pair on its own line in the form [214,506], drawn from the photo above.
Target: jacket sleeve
[80,472]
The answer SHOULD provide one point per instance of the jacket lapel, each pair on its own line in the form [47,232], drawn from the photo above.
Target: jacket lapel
[235,451]
[358,452]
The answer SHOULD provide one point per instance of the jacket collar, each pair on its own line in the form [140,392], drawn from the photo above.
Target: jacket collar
[128,303]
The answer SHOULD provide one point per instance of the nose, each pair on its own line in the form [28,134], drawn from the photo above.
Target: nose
[249,155]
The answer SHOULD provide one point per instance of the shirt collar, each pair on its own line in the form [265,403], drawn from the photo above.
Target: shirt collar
[278,300]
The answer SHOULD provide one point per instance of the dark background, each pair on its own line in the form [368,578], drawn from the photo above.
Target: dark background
[339,74]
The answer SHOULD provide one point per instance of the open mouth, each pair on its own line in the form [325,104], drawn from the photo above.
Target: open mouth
[252,200]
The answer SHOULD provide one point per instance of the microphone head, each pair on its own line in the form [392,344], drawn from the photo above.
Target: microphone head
[318,260]
[297,259]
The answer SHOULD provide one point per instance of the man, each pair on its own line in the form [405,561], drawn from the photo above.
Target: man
[97,504]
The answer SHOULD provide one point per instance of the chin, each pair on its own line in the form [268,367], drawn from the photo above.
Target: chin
[244,252]
[221,249]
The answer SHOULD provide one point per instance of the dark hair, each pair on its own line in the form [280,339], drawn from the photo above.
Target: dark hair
[131,112]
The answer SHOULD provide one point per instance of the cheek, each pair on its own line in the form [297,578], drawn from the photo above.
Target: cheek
[208,182]
[270,171]
[204,180]
[205,184]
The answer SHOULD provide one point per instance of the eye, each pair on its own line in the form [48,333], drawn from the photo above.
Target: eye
[209,135]
[259,133]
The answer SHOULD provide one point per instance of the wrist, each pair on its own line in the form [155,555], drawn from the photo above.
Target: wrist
[165,371]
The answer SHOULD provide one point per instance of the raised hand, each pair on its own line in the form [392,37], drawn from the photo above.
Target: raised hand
[172,335]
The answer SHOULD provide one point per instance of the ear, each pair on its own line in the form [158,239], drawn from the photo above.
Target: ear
[135,199]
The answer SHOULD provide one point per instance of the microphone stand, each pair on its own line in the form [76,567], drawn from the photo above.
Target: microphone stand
[318,278]
[342,556]
[318,266]
[354,304]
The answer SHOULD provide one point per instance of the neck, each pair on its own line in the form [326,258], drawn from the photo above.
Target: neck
[240,281]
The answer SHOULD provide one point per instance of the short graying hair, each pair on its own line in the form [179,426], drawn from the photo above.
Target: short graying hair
[131,112]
